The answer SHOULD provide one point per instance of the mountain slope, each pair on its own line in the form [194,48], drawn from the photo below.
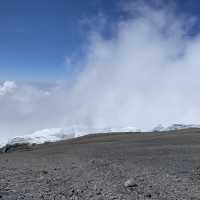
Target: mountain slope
[119,166]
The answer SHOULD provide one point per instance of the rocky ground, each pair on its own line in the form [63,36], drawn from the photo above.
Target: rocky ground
[106,167]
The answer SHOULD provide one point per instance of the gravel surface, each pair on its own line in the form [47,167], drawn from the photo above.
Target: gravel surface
[106,167]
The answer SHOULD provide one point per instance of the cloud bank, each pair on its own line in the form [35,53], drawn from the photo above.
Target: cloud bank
[146,74]
[7,87]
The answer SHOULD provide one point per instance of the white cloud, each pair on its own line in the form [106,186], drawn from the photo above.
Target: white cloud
[145,75]
[7,87]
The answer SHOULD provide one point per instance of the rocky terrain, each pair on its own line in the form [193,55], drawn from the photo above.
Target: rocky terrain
[121,166]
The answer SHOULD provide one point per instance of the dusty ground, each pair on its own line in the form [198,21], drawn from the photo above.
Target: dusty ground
[157,166]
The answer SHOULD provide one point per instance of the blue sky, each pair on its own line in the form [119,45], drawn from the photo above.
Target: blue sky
[36,36]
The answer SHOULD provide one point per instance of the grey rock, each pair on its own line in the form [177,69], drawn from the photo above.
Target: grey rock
[130,183]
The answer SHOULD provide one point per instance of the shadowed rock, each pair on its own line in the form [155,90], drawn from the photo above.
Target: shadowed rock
[15,147]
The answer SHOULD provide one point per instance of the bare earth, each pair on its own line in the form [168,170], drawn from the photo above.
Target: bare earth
[106,167]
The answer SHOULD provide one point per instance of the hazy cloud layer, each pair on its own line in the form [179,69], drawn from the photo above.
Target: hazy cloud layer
[146,74]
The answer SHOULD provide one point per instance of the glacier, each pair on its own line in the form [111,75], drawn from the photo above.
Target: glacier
[174,127]
[59,134]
